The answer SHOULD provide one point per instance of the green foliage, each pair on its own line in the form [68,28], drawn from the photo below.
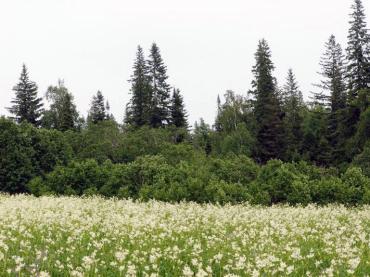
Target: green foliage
[234,169]
[154,155]
[202,137]
[98,110]
[138,109]
[267,109]
[239,141]
[358,56]
[292,106]
[74,179]
[223,192]
[50,148]
[316,147]
[328,190]
[178,115]
[15,157]
[26,105]
[234,111]
[284,183]
[356,185]
[144,141]
[363,130]
[362,160]
[62,114]
[101,141]
[159,89]
[175,153]
[27,152]
[105,160]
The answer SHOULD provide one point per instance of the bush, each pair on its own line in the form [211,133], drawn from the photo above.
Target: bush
[234,179]
[16,153]
[75,179]
[101,142]
[362,160]
[356,185]
[283,183]
[327,190]
[142,142]
[27,152]
[222,192]
[175,153]
[234,169]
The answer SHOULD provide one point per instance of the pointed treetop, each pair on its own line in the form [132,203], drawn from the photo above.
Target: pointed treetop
[26,105]
[177,110]
[358,51]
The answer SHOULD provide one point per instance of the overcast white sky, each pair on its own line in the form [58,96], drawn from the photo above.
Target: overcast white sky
[207,45]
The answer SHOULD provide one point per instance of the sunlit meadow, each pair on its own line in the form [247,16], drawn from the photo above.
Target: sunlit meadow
[70,236]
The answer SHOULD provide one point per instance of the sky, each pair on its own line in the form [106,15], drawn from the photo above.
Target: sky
[207,45]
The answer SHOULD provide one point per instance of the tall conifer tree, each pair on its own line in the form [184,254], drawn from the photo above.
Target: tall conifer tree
[292,106]
[358,56]
[159,89]
[332,71]
[267,108]
[108,114]
[358,65]
[66,115]
[26,105]
[97,111]
[177,110]
[138,109]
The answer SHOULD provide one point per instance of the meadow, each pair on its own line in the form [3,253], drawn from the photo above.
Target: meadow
[93,236]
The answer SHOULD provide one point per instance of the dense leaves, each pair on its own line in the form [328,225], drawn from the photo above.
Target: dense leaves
[26,105]
[267,146]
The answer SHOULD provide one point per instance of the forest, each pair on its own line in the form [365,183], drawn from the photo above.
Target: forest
[265,147]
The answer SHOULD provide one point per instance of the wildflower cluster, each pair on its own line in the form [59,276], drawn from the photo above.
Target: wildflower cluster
[70,236]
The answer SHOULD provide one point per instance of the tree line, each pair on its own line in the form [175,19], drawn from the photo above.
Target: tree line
[153,101]
[271,122]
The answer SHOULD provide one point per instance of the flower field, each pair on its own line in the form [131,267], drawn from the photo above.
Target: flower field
[70,236]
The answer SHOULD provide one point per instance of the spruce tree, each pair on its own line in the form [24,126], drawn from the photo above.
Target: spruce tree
[358,56]
[358,65]
[97,111]
[292,106]
[108,114]
[138,109]
[218,126]
[66,115]
[267,110]
[177,110]
[159,89]
[26,105]
[332,71]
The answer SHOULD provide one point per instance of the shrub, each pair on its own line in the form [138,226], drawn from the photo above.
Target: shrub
[234,169]
[142,142]
[356,185]
[283,183]
[16,153]
[175,153]
[327,190]
[222,192]
[27,152]
[100,141]
[258,195]
[75,179]
[232,180]
[362,160]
